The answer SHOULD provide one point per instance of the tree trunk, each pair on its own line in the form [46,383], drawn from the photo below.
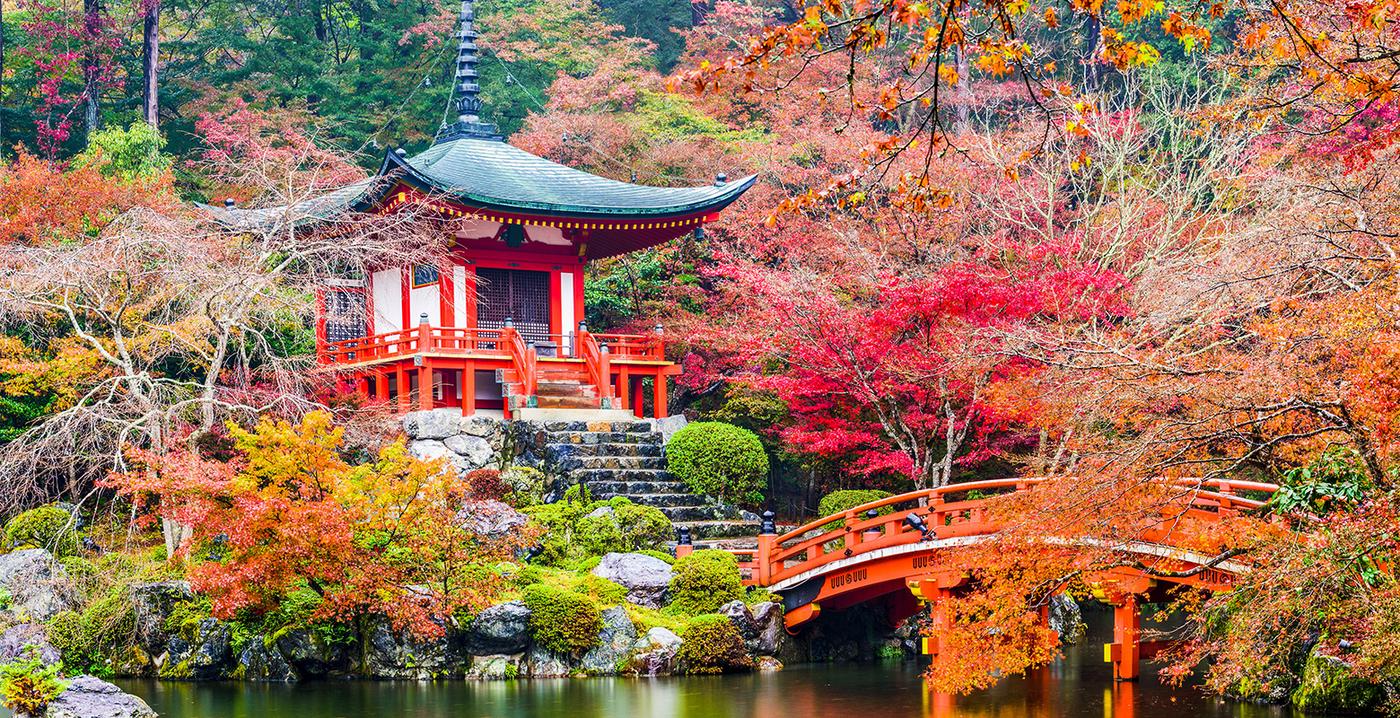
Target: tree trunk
[964,90]
[1092,30]
[92,27]
[150,60]
[2,80]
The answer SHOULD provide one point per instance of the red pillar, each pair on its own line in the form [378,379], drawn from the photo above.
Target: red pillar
[381,385]
[425,386]
[404,389]
[1126,651]
[468,388]
[637,396]
[659,397]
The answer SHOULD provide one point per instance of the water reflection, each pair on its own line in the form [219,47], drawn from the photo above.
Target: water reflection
[1079,686]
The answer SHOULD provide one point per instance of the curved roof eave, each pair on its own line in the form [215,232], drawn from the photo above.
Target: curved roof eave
[723,196]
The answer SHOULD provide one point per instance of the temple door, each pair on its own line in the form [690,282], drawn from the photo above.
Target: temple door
[519,294]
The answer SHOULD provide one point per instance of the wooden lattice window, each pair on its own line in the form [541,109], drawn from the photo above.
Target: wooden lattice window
[519,294]
[344,314]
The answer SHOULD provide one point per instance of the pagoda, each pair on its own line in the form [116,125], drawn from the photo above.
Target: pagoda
[498,325]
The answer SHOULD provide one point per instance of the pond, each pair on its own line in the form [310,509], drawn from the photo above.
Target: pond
[1080,685]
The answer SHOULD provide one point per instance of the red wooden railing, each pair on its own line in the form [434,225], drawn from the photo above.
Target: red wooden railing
[461,340]
[599,362]
[523,360]
[943,511]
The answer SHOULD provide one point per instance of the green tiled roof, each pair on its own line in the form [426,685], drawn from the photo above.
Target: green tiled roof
[491,173]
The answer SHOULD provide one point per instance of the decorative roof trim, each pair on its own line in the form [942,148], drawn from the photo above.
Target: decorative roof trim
[396,165]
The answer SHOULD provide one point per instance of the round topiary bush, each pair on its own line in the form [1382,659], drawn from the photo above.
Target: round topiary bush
[712,645]
[719,460]
[704,581]
[47,527]
[562,621]
[839,501]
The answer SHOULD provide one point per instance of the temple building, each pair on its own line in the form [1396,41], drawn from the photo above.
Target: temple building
[499,324]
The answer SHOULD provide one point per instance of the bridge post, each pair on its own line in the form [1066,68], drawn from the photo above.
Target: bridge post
[1125,652]
[767,537]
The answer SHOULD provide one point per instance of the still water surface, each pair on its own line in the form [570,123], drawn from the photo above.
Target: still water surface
[1078,686]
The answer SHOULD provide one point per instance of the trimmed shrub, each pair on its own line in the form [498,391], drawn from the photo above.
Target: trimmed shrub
[27,686]
[712,645]
[704,581]
[607,592]
[839,501]
[719,460]
[47,527]
[562,621]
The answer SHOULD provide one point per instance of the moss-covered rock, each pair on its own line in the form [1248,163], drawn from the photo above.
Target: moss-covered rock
[704,581]
[1330,686]
[47,527]
[713,645]
[562,621]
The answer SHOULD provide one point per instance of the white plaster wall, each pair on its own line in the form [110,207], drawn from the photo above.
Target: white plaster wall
[459,295]
[387,286]
[425,299]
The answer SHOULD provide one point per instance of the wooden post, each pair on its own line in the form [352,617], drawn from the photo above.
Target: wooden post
[624,381]
[381,385]
[659,397]
[404,389]
[425,386]
[362,386]
[637,396]
[468,388]
[767,541]
[1125,651]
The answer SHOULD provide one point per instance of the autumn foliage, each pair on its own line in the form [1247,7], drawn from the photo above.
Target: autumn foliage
[382,537]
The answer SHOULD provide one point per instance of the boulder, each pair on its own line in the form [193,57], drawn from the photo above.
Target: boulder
[482,427]
[767,664]
[1066,619]
[668,426]
[739,615]
[542,663]
[88,697]
[654,654]
[259,662]
[1329,685]
[27,639]
[498,667]
[646,578]
[310,655]
[491,518]
[768,628]
[473,452]
[500,629]
[432,424]
[212,655]
[153,602]
[393,654]
[36,583]
[429,450]
[615,643]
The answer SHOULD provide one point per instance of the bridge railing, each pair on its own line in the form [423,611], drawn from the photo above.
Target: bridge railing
[946,512]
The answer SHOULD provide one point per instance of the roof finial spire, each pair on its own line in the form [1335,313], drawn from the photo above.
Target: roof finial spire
[465,92]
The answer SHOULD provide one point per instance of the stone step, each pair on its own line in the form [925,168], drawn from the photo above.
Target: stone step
[633,488]
[627,427]
[701,530]
[617,462]
[604,449]
[565,388]
[652,475]
[709,512]
[663,500]
[605,437]
[544,401]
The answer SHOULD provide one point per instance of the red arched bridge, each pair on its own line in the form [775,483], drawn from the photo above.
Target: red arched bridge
[863,554]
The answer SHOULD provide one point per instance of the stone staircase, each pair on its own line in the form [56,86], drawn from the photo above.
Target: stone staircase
[560,385]
[624,458]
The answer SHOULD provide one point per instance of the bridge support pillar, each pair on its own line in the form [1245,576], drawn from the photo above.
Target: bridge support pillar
[1125,653]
